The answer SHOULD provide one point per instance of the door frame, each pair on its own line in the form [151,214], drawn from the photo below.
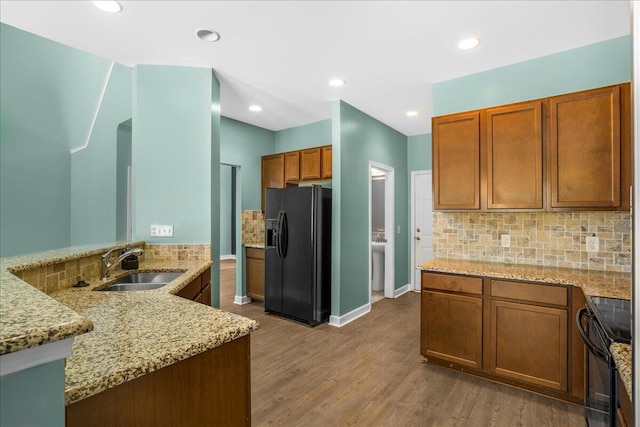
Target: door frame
[389,227]
[412,266]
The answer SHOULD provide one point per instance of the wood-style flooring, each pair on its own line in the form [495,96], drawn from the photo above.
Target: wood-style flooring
[370,373]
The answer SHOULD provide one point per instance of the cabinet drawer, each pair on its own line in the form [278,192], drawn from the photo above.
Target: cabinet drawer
[447,282]
[530,292]
[192,289]
[205,278]
[255,253]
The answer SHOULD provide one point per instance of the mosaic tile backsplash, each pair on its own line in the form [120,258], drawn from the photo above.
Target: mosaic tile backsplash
[538,238]
[252,228]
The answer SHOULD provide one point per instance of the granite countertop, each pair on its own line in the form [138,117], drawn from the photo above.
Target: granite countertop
[30,318]
[254,245]
[131,333]
[142,331]
[622,357]
[595,283]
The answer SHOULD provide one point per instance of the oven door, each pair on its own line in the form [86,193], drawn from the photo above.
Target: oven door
[598,371]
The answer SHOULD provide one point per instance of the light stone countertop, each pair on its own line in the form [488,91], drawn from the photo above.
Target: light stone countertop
[622,357]
[592,282]
[28,317]
[133,333]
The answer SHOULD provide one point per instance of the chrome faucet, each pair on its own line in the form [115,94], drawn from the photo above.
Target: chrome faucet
[108,266]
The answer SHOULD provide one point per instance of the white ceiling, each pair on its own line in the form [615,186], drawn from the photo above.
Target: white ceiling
[281,54]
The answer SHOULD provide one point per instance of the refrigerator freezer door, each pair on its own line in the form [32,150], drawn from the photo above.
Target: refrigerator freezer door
[273,263]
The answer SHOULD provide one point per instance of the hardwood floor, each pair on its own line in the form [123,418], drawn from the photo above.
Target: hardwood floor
[370,373]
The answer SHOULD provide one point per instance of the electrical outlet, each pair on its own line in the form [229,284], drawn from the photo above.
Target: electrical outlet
[398,229]
[161,231]
[593,244]
[505,241]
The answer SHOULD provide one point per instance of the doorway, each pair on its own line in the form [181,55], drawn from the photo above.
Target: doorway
[381,273]
[421,223]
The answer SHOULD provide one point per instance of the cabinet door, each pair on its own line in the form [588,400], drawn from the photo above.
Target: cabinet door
[292,166]
[255,273]
[456,161]
[272,173]
[451,328]
[584,149]
[529,344]
[326,161]
[206,295]
[310,163]
[514,157]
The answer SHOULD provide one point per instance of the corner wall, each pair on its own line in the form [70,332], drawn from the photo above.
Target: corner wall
[358,139]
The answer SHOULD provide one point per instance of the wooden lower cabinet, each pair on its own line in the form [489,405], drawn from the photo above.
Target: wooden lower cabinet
[624,412]
[211,388]
[515,332]
[453,328]
[529,343]
[254,264]
[199,290]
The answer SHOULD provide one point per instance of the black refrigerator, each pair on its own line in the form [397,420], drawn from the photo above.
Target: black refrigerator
[297,255]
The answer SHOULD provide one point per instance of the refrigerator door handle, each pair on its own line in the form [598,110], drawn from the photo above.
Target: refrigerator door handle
[278,237]
[284,235]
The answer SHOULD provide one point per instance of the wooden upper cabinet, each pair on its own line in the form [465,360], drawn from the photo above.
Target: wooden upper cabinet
[272,173]
[456,161]
[310,163]
[514,141]
[585,149]
[326,154]
[292,166]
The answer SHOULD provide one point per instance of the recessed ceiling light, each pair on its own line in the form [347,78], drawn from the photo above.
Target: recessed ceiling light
[336,82]
[208,35]
[255,108]
[469,43]
[108,6]
[412,113]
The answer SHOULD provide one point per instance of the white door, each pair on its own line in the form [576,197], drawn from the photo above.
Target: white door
[422,233]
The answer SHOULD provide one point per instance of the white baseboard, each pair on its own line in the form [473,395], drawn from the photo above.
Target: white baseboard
[403,290]
[340,321]
[241,300]
[223,257]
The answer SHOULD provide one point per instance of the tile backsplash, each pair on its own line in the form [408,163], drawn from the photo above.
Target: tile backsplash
[177,252]
[539,238]
[252,228]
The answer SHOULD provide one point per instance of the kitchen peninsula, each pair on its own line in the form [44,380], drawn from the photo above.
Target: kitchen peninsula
[149,350]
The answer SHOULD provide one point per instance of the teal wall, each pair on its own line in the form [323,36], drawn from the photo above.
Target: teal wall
[225,209]
[123,162]
[93,169]
[48,95]
[599,64]
[243,145]
[33,397]
[172,148]
[419,152]
[296,138]
[213,106]
[359,139]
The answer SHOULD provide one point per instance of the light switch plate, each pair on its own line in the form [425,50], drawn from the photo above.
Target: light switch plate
[593,244]
[161,231]
[505,241]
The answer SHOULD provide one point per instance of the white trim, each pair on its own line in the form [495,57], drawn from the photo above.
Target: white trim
[35,356]
[95,115]
[635,213]
[412,267]
[340,321]
[223,257]
[403,290]
[241,300]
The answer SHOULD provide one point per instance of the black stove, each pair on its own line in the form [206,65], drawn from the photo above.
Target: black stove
[614,315]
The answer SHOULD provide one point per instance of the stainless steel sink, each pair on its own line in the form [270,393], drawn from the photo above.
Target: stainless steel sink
[143,281]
